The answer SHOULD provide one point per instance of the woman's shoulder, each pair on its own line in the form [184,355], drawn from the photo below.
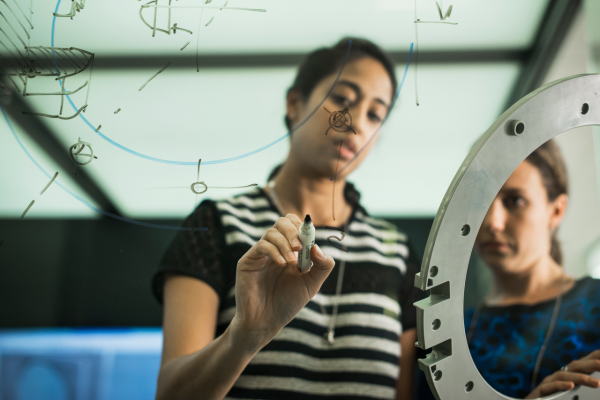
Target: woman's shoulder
[587,286]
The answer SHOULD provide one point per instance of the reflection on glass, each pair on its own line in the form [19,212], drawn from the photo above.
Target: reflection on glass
[537,330]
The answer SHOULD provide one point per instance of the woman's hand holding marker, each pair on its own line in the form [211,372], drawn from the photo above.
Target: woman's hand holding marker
[269,288]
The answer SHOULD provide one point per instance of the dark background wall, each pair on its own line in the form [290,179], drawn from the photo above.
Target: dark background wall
[68,272]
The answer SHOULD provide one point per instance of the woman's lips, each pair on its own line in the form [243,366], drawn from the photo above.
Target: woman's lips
[496,246]
[346,151]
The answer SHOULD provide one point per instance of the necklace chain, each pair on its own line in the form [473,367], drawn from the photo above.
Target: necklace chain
[551,326]
[330,334]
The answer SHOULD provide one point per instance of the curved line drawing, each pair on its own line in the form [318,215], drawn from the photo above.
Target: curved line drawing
[75,7]
[85,203]
[339,239]
[382,122]
[223,160]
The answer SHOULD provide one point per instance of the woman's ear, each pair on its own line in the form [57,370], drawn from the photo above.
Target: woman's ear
[293,104]
[558,209]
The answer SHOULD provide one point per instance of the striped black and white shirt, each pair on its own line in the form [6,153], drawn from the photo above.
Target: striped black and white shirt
[375,305]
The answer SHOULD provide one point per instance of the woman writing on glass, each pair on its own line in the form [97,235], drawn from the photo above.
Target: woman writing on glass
[537,331]
[240,320]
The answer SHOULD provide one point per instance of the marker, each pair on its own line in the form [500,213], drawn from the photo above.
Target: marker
[307,238]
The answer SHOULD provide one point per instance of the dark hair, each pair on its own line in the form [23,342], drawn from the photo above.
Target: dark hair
[548,160]
[328,60]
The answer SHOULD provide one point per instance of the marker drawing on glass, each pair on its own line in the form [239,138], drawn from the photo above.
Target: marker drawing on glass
[74,156]
[82,200]
[76,6]
[339,239]
[41,193]
[307,238]
[340,121]
[384,119]
[154,76]
[334,179]
[418,21]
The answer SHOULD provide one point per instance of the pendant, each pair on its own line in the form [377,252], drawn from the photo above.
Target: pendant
[330,336]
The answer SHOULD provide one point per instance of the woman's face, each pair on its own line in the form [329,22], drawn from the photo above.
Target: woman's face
[365,89]
[516,231]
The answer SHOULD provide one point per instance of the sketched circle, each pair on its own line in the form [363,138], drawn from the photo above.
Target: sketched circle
[199,183]
[77,153]
[340,121]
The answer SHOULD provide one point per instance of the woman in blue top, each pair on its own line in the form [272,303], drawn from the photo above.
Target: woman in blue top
[537,331]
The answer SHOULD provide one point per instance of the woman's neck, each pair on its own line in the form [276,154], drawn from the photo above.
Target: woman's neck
[301,193]
[544,281]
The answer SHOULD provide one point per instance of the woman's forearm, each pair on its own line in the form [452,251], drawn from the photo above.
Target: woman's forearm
[208,373]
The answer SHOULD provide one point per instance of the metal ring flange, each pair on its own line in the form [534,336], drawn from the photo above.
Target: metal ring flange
[554,108]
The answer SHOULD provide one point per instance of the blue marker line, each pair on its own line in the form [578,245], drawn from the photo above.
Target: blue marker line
[382,122]
[195,163]
[88,205]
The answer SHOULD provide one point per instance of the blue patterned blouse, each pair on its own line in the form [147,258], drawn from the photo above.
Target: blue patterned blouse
[506,340]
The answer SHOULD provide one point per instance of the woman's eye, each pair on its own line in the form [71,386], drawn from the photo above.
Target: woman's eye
[514,202]
[341,99]
[374,117]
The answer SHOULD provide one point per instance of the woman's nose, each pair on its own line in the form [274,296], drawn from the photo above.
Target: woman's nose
[495,219]
[359,119]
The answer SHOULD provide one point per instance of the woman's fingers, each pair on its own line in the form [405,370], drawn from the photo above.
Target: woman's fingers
[275,237]
[584,365]
[265,248]
[576,377]
[553,387]
[321,268]
[289,227]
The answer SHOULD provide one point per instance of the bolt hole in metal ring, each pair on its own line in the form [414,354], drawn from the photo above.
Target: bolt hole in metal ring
[193,187]
[469,386]
[465,230]
[555,108]
[585,108]
[433,271]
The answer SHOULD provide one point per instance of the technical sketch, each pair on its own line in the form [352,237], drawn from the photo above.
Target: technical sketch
[340,121]
[154,76]
[418,21]
[24,62]
[155,5]
[85,202]
[76,6]
[41,193]
[448,12]
[206,187]
[75,156]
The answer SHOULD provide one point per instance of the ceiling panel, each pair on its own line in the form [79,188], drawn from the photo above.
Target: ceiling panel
[184,116]
[114,27]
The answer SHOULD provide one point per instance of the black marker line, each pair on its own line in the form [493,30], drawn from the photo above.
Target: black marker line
[57,116]
[27,209]
[154,76]
[336,173]
[184,46]
[116,112]
[337,238]
[85,202]
[224,160]
[49,183]
[386,116]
